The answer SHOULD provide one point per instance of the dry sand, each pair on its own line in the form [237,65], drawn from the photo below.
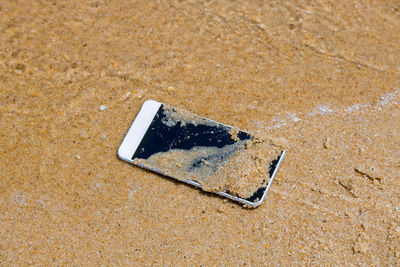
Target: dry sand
[321,77]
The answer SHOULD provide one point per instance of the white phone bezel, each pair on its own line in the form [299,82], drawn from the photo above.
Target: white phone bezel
[139,128]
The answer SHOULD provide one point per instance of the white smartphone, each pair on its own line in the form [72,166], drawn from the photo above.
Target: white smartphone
[200,152]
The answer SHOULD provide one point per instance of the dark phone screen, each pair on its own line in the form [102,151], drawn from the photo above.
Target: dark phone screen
[162,137]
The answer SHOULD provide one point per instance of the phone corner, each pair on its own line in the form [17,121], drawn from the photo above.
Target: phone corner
[257,204]
[121,154]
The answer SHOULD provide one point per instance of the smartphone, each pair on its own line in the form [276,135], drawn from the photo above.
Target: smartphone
[201,152]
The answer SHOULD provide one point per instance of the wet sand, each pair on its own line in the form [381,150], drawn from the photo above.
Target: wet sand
[321,78]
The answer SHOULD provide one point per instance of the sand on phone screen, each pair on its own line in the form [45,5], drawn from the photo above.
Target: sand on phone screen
[240,168]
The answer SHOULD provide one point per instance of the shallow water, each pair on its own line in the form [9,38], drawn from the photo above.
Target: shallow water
[320,78]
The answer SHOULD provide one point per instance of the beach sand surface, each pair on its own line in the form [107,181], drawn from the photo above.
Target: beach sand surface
[321,78]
